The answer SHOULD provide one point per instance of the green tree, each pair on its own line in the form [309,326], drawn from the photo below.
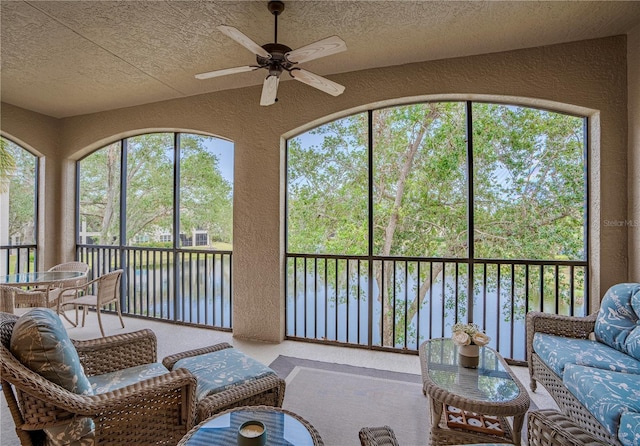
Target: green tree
[528,190]
[17,169]
[205,196]
[7,165]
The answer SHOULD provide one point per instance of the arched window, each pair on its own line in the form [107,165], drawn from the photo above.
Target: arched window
[160,206]
[397,215]
[18,208]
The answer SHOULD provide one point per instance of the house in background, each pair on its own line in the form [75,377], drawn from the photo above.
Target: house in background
[79,75]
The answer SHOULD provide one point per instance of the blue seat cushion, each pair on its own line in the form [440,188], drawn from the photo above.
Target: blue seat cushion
[607,395]
[618,321]
[629,432]
[222,370]
[122,378]
[557,351]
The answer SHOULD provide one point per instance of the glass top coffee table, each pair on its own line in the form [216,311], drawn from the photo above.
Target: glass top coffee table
[284,428]
[471,405]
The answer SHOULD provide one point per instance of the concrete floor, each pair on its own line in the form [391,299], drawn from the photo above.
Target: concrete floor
[173,338]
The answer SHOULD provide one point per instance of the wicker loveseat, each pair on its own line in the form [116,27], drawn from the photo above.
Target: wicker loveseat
[591,365]
[112,390]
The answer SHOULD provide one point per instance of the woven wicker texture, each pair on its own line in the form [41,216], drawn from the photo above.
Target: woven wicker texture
[267,391]
[107,291]
[158,410]
[377,436]
[229,436]
[443,435]
[55,290]
[570,406]
[550,428]
[80,267]
[13,297]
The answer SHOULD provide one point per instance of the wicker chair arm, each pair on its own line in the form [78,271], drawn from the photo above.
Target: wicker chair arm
[377,436]
[51,394]
[117,352]
[140,394]
[75,288]
[170,360]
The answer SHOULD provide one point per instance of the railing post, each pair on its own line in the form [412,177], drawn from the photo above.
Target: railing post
[470,213]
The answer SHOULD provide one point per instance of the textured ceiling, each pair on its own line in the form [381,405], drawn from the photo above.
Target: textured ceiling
[65,58]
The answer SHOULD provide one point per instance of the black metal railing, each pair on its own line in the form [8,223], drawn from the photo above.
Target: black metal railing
[190,286]
[18,258]
[414,299]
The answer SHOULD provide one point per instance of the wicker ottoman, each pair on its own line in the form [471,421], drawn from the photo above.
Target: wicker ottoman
[551,428]
[228,378]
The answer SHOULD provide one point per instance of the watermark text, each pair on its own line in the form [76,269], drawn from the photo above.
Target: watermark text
[625,223]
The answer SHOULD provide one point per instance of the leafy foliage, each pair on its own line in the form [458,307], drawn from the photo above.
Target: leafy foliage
[205,195]
[528,192]
[18,179]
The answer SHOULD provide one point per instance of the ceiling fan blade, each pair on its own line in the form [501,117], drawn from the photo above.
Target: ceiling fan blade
[319,82]
[243,40]
[226,71]
[269,90]
[321,48]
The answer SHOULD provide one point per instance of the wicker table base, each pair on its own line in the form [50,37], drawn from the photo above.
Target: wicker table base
[443,435]
[491,390]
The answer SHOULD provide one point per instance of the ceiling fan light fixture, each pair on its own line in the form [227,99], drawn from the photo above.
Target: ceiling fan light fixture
[276,58]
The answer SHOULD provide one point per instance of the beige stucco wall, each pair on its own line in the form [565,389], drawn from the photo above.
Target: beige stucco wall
[586,77]
[40,134]
[633,80]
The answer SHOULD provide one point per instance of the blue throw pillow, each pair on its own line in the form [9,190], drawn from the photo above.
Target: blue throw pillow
[41,343]
[618,321]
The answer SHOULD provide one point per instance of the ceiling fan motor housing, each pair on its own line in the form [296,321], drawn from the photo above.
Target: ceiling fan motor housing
[276,58]
[277,63]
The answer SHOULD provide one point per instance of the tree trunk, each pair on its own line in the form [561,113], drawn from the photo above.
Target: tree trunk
[387,302]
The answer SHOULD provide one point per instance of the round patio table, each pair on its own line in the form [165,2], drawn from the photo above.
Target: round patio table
[41,279]
[284,428]
[37,278]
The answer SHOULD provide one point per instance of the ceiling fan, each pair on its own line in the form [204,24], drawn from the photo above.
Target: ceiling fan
[276,58]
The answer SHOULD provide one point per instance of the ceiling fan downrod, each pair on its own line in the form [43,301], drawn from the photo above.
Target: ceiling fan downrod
[277,62]
[275,7]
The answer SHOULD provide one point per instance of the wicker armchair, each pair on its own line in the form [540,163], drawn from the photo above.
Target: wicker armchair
[12,297]
[107,291]
[159,410]
[378,436]
[56,292]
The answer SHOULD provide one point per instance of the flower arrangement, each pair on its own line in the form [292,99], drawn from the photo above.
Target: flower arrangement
[469,334]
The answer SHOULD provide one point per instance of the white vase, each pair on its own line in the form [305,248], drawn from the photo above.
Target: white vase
[469,355]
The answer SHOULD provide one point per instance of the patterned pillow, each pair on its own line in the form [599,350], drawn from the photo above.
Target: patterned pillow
[618,322]
[41,343]
[629,431]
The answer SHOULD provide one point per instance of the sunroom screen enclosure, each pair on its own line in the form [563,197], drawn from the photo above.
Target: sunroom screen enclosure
[159,206]
[402,221]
